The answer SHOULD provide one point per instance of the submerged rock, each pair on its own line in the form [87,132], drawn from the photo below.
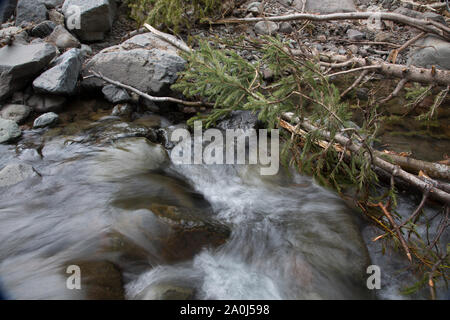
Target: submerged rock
[143,62]
[166,291]
[15,173]
[9,130]
[100,280]
[122,110]
[46,120]
[20,63]
[63,77]
[127,157]
[15,112]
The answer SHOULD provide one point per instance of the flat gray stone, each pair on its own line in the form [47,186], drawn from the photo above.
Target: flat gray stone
[96,18]
[30,11]
[15,112]
[15,173]
[46,120]
[9,130]
[62,78]
[433,51]
[21,63]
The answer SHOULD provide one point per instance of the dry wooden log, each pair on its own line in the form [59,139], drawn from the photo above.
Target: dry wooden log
[423,25]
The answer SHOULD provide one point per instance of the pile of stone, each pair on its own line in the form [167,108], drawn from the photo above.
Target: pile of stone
[43,57]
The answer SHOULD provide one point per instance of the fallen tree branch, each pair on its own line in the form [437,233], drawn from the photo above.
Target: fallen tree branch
[355,83]
[423,25]
[149,97]
[411,179]
[396,91]
[397,230]
[168,38]
[411,73]
[434,170]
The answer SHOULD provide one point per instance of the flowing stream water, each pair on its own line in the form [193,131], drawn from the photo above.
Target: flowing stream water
[106,199]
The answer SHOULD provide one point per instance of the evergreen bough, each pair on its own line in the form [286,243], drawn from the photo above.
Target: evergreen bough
[174,14]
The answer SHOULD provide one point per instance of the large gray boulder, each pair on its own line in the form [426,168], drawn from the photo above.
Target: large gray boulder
[326,6]
[95,17]
[15,173]
[7,8]
[30,11]
[21,63]
[9,130]
[433,51]
[15,112]
[144,62]
[62,78]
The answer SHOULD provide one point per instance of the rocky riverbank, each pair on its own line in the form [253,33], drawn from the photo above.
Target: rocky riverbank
[135,223]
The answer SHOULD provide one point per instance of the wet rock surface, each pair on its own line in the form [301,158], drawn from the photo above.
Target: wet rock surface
[15,112]
[9,130]
[15,173]
[46,120]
